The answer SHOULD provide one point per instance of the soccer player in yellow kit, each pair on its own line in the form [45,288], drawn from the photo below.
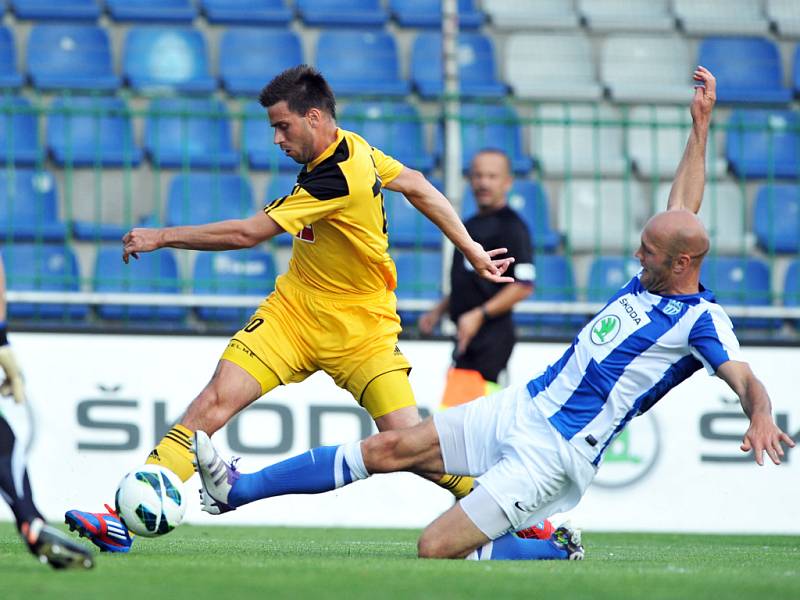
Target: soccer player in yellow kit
[335,309]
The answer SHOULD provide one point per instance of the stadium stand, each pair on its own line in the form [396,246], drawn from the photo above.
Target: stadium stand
[175,11]
[19,132]
[257,142]
[29,206]
[407,227]
[372,67]
[426,14]
[419,277]
[164,59]
[791,287]
[776,218]
[9,76]
[555,282]
[796,71]
[86,131]
[551,67]
[197,198]
[491,126]
[249,57]
[607,274]
[56,10]
[626,15]
[707,17]
[342,13]
[764,143]
[247,12]
[784,17]
[477,74]
[190,132]
[740,281]
[70,57]
[543,14]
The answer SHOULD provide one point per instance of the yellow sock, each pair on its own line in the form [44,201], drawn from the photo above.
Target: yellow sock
[174,452]
[458,485]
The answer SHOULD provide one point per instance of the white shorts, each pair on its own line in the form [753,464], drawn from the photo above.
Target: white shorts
[525,465]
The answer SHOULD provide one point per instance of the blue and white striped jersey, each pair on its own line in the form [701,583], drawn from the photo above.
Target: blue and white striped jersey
[635,350]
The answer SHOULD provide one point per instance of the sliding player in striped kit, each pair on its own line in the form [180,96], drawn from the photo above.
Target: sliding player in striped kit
[535,448]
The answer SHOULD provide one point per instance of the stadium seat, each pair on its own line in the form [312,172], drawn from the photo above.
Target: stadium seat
[705,17]
[158,59]
[748,70]
[193,132]
[605,215]
[419,277]
[29,206]
[249,272]
[257,142]
[657,137]
[641,69]
[393,127]
[280,185]
[198,198]
[427,14]
[250,57]
[490,126]
[791,287]
[70,57]
[342,13]
[175,11]
[408,227]
[153,273]
[607,274]
[85,131]
[529,200]
[247,12]
[476,61]
[551,67]
[555,282]
[9,77]
[776,218]
[372,67]
[763,143]
[578,140]
[43,267]
[795,70]
[784,17]
[740,282]
[56,10]
[19,132]
[542,14]
[626,15]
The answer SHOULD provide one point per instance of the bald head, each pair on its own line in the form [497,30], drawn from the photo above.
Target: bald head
[678,232]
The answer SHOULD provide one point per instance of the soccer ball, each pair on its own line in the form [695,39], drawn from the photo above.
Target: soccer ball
[150,501]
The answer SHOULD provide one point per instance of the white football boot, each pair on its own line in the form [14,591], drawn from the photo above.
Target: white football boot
[216,476]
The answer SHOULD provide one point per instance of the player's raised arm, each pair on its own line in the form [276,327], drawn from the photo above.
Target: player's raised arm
[432,203]
[232,234]
[690,177]
[763,435]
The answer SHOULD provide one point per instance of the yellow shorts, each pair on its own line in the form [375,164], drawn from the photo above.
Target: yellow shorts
[297,331]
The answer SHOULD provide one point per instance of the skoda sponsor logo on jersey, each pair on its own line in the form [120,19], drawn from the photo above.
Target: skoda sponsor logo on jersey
[632,455]
[605,329]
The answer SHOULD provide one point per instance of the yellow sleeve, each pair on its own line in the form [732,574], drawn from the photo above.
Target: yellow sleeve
[302,207]
[388,168]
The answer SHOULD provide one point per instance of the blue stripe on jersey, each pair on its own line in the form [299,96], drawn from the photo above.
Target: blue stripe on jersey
[591,394]
[705,339]
[678,372]
[622,424]
[538,385]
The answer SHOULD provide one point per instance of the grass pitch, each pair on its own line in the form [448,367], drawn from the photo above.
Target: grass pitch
[228,563]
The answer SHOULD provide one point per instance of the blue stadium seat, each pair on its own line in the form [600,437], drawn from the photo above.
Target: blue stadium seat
[175,11]
[250,57]
[791,287]
[9,77]
[247,12]
[763,143]
[189,132]
[739,282]
[555,282]
[249,272]
[257,144]
[428,13]
[85,131]
[776,217]
[409,228]
[477,74]
[198,198]
[372,67]
[393,127]
[71,57]
[608,274]
[167,59]
[337,13]
[154,273]
[796,71]
[43,267]
[419,277]
[280,184]
[19,132]
[529,199]
[29,206]
[56,10]
[748,70]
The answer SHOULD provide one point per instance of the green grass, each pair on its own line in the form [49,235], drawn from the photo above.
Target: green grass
[228,563]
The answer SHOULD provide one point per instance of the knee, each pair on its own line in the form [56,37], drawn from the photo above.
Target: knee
[430,546]
[380,452]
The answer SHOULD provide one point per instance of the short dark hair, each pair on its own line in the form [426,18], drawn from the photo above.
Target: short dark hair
[501,153]
[303,88]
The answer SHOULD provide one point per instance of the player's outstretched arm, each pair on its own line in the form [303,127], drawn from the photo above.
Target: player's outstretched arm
[690,177]
[432,203]
[222,235]
[763,435]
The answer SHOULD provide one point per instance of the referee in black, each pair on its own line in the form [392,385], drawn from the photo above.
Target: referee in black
[482,309]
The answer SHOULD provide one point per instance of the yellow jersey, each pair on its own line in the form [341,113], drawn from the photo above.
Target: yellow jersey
[336,213]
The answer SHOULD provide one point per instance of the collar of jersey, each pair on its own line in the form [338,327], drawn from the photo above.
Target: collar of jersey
[690,299]
[328,151]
